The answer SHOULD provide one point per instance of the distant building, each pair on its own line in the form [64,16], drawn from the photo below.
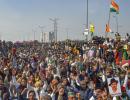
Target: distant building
[49,37]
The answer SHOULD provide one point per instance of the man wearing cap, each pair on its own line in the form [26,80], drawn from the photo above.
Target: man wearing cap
[114,86]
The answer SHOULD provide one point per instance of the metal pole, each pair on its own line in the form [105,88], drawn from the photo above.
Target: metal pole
[108,22]
[42,27]
[44,37]
[116,18]
[87,22]
[55,27]
[34,37]
[109,17]
[87,15]
[67,34]
[34,34]
[117,22]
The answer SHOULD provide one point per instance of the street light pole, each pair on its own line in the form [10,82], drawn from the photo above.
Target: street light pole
[55,27]
[34,34]
[86,31]
[42,27]
[87,22]
[87,16]
[0,37]
[67,33]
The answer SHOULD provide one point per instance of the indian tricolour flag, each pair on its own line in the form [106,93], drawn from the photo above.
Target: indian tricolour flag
[114,7]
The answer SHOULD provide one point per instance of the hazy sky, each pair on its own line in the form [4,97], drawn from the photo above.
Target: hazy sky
[18,18]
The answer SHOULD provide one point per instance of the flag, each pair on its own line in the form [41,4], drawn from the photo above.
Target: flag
[108,28]
[114,7]
[92,28]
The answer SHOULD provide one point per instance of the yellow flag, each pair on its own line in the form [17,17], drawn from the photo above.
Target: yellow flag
[92,28]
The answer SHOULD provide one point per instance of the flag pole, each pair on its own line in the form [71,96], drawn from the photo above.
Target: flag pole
[109,17]
[108,22]
[117,22]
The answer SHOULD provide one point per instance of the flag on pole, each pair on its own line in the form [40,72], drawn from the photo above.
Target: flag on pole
[108,28]
[114,7]
[92,28]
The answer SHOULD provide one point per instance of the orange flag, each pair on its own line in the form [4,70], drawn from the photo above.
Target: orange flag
[108,28]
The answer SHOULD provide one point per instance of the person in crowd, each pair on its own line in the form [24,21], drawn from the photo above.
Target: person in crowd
[31,95]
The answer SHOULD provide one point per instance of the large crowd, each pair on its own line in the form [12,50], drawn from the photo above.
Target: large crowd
[65,70]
